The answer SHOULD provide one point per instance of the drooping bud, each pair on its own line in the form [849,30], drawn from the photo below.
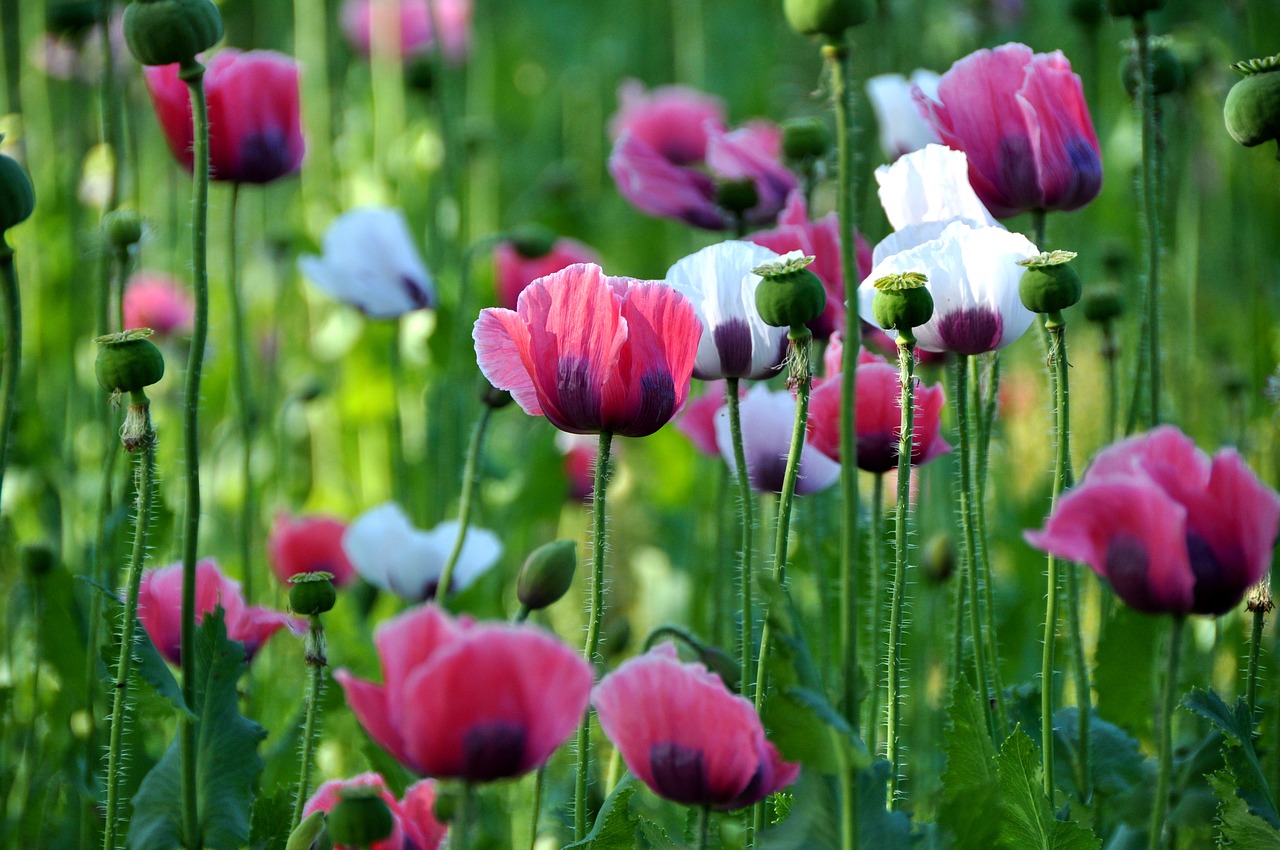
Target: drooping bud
[902,303]
[532,241]
[491,396]
[312,593]
[122,227]
[128,362]
[1133,8]
[547,574]
[737,196]
[789,295]
[17,196]
[805,139]
[1252,110]
[1166,70]
[165,32]
[1103,303]
[1049,285]
[360,818]
[827,18]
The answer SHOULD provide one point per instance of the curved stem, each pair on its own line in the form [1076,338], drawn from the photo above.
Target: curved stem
[1161,803]
[11,303]
[746,515]
[875,568]
[469,475]
[316,661]
[906,372]
[145,471]
[598,506]
[244,401]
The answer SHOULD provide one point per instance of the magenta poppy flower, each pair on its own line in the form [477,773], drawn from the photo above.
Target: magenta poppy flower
[1173,530]
[592,353]
[1022,120]
[879,417]
[767,420]
[160,610]
[676,121]
[255,129]
[513,271]
[471,701]
[408,26]
[686,736]
[414,824]
[159,302]
[309,545]
[821,240]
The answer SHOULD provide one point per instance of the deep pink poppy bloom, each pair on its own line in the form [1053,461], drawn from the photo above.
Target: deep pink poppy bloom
[686,736]
[878,417]
[408,25]
[255,129]
[414,824]
[160,609]
[513,271]
[1021,119]
[464,700]
[1173,530]
[309,545]
[593,353]
[819,239]
[675,121]
[157,301]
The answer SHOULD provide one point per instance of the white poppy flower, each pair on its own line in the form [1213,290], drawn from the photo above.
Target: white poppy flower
[736,342]
[370,262]
[389,553]
[768,418]
[931,184]
[902,127]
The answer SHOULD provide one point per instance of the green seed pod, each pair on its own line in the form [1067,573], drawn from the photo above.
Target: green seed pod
[360,818]
[128,361]
[789,295]
[828,18]
[72,17]
[737,196]
[162,32]
[902,302]
[1133,8]
[37,559]
[1050,284]
[805,139]
[123,227]
[939,559]
[491,396]
[312,593]
[532,241]
[1087,13]
[1103,303]
[547,574]
[1252,110]
[17,197]
[420,72]
[1166,71]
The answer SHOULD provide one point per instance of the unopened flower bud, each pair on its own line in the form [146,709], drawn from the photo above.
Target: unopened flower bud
[420,73]
[122,227]
[165,32]
[721,663]
[38,559]
[1133,8]
[360,818]
[1252,110]
[1103,303]
[547,574]
[17,197]
[789,295]
[828,18]
[532,241]
[902,303]
[805,139]
[1166,70]
[939,559]
[1049,285]
[128,362]
[737,196]
[491,396]
[310,834]
[312,593]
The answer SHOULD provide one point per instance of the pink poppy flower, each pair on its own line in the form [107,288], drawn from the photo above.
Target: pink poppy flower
[414,824]
[767,420]
[514,271]
[409,26]
[821,240]
[1022,120]
[309,545]
[686,736]
[464,700]
[592,353]
[878,417]
[675,121]
[160,609]
[255,129]
[159,302]
[1173,530]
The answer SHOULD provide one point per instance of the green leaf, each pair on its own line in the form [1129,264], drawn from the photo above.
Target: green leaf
[1237,725]
[970,785]
[1125,698]
[228,763]
[813,822]
[1238,827]
[615,827]
[1027,821]
[271,819]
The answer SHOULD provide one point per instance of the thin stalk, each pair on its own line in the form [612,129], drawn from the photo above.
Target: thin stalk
[1165,769]
[316,662]
[1150,213]
[847,778]
[906,372]
[986,410]
[1255,652]
[1110,352]
[704,827]
[400,476]
[745,514]
[877,612]
[11,303]
[145,471]
[244,401]
[460,828]
[536,811]
[11,42]
[598,508]
[193,74]
[469,475]
[109,93]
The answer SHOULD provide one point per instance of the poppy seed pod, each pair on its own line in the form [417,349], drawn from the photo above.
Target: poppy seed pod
[360,818]
[1103,303]
[1252,110]
[829,18]
[122,227]
[490,396]
[532,240]
[547,574]
[1049,285]
[789,294]
[309,834]
[737,196]
[805,139]
[164,32]
[312,593]
[1133,8]
[128,362]
[17,197]
[902,302]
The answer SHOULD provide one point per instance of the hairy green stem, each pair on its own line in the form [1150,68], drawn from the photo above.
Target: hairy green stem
[906,372]
[985,408]
[875,570]
[745,514]
[11,303]
[316,661]
[1150,214]
[1255,652]
[1164,770]
[244,401]
[469,475]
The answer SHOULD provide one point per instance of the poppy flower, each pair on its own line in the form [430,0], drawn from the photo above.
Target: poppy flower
[1171,529]
[878,417]
[255,128]
[592,353]
[767,421]
[1022,120]
[466,700]
[160,609]
[414,824]
[409,25]
[686,736]
[370,262]
[389,553]
[309,545]
[677,122]
[721,286]
[514,271]
[902,128]
[159,302]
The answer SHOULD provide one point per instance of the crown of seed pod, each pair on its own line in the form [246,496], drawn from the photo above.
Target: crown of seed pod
[1133,8]
[1252,110]
[312,593]
[128,362]
[360,818]
[789,295]
[165,32]
[902,303]
[828,18]
[1050,284]
[17,197]
[547,574]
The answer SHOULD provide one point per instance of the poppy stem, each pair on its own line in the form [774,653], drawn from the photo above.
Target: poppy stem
[536,812]
[598,507]
[984,406]
[906,371]
[192,73]
[316,661]
[1255,652]
[11,303]
[704,827]
[469,475]
[746,515]
[244,401]
[877,612]
[145,470]
[458,831]
[1161,803]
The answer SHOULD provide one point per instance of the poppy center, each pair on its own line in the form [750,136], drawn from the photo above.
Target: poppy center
[973,330]
[679,773]
[492,750]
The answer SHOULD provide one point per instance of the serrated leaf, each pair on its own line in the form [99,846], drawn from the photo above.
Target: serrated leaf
[228,763]
[1237,725]
[813,822]
[1027,821]
[271,819]
[615,826]
[970,784]
[1237,826]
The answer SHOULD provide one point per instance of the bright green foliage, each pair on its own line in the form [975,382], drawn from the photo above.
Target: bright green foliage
[1242,760]
[1028,822]
[969,785]
[1239,828]
[615,827]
